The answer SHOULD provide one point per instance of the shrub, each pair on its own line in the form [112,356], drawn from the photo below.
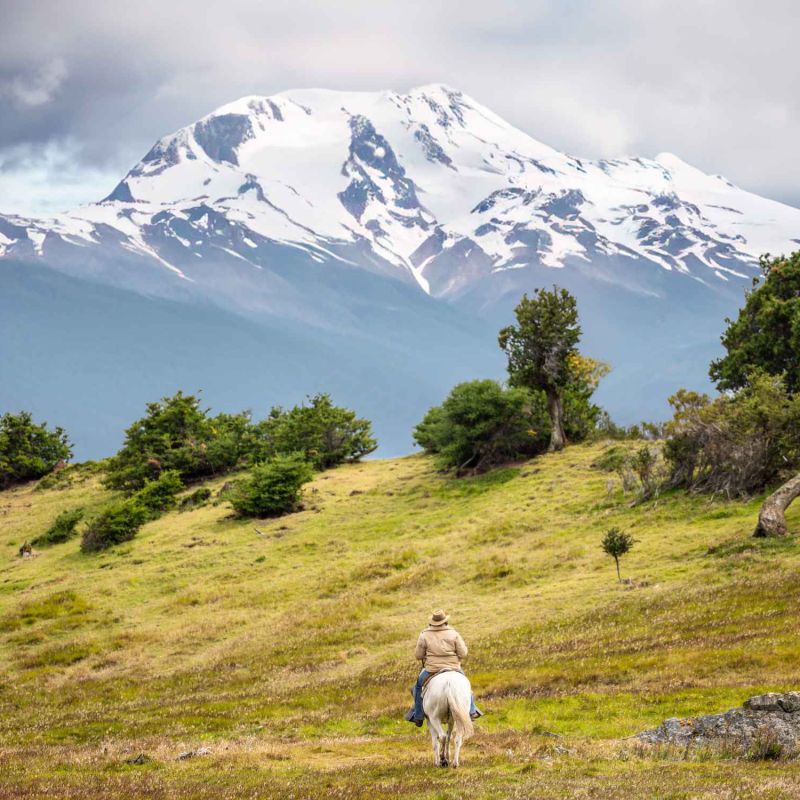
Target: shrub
[62,529]
[116,523]
[481,425]
[326,434]
[199,497]
[648,468]
[614,459]
[177,434]
[159,495]
[765,746]
[273,488]
[29,450]
[736,444]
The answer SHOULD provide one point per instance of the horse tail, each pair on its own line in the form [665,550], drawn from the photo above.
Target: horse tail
[461,718]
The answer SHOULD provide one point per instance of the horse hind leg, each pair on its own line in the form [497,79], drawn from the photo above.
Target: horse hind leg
[444,749]
[435,743]
[458,739]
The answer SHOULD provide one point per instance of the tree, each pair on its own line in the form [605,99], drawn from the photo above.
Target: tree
[539,348]
[616,543]
[29,450]
[273,487]
[481,424]
[771,517]
[328,435]
[765,337]
[766,334]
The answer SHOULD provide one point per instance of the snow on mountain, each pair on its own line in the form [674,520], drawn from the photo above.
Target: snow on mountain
[428,187]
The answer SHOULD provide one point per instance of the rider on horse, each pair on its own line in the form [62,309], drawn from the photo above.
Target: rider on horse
[439,648]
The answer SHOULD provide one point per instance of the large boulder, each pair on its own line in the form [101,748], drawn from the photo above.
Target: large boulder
[769,717]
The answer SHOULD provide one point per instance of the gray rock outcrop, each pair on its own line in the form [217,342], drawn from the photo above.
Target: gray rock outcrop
[766,718]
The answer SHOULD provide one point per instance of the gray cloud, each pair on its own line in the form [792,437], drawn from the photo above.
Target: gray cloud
[87,86]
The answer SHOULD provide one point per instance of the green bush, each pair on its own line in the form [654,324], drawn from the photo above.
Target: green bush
[159,495]
[62,529]
[116,523]
[273,488]
[177,434]
[612,460]
[326,434]
[29,450]
[481,425]
[199,497]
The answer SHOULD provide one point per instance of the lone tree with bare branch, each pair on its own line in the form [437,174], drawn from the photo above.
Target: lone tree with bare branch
[540,348]
[616,543]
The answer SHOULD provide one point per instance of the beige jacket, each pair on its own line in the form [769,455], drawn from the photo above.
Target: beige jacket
[440,648]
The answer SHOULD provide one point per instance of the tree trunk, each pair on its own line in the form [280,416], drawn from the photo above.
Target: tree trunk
[771,519]
[619,577]
[555,407]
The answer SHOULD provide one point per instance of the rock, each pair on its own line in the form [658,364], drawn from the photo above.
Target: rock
[767,717]
[201,751]
[25,551]
[142,758]
[773,701]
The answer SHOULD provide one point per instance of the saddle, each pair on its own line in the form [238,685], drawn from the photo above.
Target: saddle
[439,672]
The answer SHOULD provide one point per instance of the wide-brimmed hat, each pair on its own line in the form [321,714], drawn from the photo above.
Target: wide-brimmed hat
[438,619]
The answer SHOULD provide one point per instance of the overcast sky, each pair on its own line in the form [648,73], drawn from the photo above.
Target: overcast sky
[87,86]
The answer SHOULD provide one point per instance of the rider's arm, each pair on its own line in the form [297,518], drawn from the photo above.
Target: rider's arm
[461,647]
[422,648]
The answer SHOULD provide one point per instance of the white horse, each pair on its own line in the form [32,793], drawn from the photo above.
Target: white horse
[446,699]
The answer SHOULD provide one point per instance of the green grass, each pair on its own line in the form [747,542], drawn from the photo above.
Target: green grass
[289,654]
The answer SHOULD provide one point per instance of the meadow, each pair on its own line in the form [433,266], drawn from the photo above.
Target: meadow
[284,647]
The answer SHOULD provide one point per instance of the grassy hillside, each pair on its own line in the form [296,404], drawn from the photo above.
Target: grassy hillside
[289,654]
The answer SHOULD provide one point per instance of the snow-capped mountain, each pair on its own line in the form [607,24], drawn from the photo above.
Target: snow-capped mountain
[428,187]
[381,238]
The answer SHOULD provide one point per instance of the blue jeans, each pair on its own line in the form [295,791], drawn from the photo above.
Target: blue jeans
[416,691]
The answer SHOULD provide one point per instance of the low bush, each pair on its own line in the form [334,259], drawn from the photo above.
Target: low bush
[736,444]
[116,523]
[273,488]
[159,495]
[481,425]
[199,497]
[62,529]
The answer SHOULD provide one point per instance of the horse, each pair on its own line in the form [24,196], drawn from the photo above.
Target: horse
[446,699]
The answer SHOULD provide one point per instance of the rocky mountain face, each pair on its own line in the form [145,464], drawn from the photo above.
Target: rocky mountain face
[385,216]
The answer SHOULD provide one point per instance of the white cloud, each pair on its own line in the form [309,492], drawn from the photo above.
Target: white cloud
[37,88]
[714,82]
[39,180]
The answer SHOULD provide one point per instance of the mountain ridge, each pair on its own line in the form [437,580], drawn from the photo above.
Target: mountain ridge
[429,186]
[402,227]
